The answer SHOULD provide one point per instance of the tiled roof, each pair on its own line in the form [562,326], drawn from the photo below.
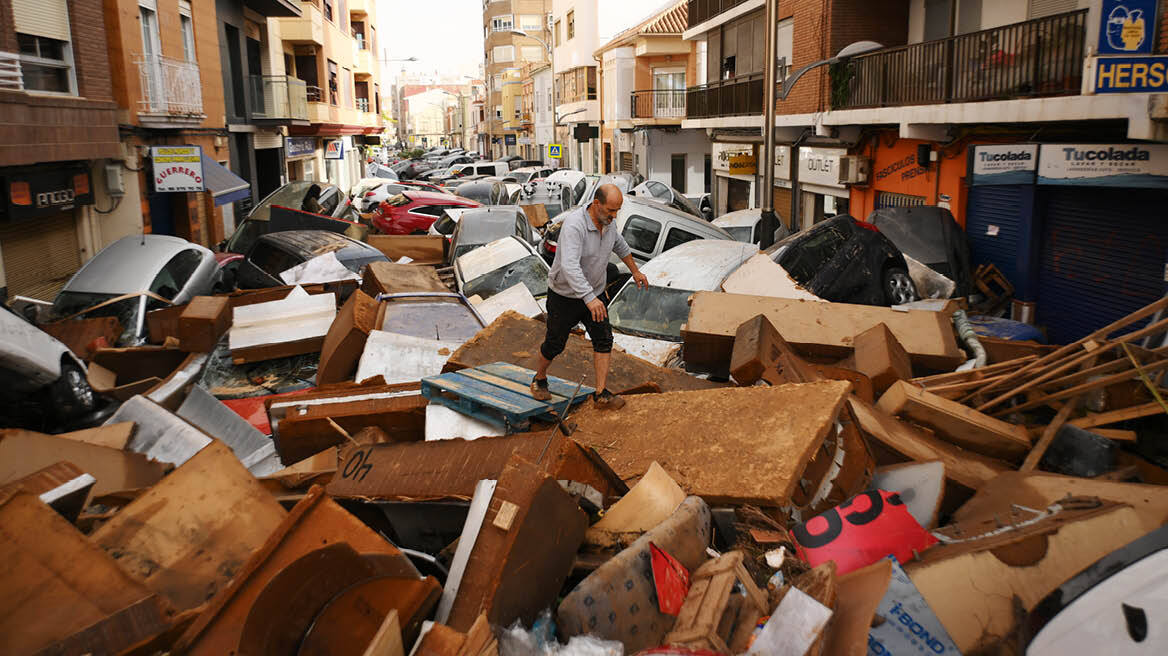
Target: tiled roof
[670,19]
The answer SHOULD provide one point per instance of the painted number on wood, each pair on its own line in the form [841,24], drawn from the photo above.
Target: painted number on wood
[358,466]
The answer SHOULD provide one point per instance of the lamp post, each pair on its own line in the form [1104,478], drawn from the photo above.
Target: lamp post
[768,220]
[551,62]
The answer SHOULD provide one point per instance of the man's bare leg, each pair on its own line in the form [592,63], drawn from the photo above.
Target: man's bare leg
[600,362]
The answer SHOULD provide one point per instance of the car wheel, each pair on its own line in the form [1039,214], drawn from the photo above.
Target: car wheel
[898,286]
[71,393]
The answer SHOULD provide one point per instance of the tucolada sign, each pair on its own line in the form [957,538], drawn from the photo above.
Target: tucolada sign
[1123,165]
[1003,165]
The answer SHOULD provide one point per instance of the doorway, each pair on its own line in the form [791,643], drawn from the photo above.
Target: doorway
[268,161]
[161,213]
[677,172]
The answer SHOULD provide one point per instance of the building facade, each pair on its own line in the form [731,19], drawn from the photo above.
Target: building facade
[505,53]
[575,38]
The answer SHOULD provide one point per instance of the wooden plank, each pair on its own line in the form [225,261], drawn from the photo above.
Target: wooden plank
[388,640]
[484,393]
[956,423]
[557,386]
[115,436]
[518,388]
[1048,435]
[1086,387]
[881,358]
[24,452]
[982,374]
[966,468]
[1115,416]
[1117,434]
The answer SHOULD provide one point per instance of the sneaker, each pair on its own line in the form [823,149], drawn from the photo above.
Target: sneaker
[539,389]
[606,400]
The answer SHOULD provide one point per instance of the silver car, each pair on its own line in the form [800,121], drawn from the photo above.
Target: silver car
[39,370]
[134,275]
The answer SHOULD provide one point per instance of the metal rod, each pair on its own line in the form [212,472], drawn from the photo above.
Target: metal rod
[767,222]
[560,421]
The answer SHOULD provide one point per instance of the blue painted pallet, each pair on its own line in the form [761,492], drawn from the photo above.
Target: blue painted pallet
[499,394]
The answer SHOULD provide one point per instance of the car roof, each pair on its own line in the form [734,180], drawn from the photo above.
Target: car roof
[698,265]
[530,169]
[570,176]
[739,219]
[485,259]
[427,196]
[645,205]
[487,223]
[318,242]
[129,264]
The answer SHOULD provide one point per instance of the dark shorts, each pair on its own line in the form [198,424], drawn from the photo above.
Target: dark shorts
[563,314]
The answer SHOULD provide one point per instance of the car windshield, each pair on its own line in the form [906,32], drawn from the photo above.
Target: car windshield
[245,235]
[130,312]
[445,225]
[521,176]
[531,271]
[740,233]
[440,319]
[656,312]
[225,380]
[357,263]
[290,195]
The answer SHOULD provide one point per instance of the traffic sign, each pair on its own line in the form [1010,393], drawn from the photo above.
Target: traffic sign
[555,150]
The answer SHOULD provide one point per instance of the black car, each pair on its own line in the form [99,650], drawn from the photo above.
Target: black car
[276,252]
[844,260]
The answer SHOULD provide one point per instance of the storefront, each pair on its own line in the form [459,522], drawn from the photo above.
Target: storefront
[735,166]
[300,157]
[821,194]
[910,172]
[39,217]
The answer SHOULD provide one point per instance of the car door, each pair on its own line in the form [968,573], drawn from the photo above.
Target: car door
[642,234]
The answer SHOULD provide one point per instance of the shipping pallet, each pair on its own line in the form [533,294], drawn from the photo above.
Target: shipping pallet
[500,394]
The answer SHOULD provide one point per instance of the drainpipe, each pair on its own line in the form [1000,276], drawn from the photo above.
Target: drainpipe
[767,222]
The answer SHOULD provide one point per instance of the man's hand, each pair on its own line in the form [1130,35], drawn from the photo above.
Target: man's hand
[641,280]
[599,312]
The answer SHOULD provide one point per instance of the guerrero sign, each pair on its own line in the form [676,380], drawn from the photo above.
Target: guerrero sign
[1124,165]
[177,168]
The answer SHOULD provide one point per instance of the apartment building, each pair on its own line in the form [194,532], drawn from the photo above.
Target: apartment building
[1034,121]
[643,78]
[427,120]
[543,108]
[515,34]
[332,48]
[58,133]
[575,37]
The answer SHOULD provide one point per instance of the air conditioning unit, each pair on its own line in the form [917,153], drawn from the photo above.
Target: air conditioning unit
[854,169]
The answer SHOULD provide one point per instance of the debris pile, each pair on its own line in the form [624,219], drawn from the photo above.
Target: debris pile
[327,469]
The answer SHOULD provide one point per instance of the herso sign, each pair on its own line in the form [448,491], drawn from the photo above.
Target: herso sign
[177,168]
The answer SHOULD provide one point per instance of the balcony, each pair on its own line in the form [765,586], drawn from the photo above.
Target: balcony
[10,76]
[363,62]
[172,92]
[1041,57]
[306,30]
[701,11]
[278,99]
[737,96]
[664,106]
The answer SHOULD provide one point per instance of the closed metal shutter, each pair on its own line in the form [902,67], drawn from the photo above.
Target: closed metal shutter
[266,139]
[993,225]
[1041,8]
[40,255]
[47,18]
[889,199]
[1103,255]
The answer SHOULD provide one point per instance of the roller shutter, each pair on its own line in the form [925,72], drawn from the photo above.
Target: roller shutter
[40,255]
[47,18]
[1103,257]
[994,223]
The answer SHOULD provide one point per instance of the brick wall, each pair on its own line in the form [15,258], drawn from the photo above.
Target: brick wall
[90,53]
[7,33]
[1162,41]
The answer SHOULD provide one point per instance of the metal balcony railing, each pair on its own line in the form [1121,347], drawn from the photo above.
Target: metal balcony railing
[314,94]
[737,96]
[1040,57]
[658,103]
[169,86]
[11,76]
[701,11]
[278,97]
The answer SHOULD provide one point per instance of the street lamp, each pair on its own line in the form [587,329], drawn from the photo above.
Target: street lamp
[768,220]
[551,62]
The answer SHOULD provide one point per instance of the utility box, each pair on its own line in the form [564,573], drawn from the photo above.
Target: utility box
[854,169]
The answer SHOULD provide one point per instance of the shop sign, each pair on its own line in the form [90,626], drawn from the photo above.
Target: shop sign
[177,168]
[1117,165]
[334,149]
[1127,27]
[299,147]
[820,166]
[1131,74]
[525,141]
[1003,165]
[509,140]
[783,162]
[741,154]
[45,193]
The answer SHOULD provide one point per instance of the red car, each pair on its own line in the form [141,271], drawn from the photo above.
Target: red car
[412,212]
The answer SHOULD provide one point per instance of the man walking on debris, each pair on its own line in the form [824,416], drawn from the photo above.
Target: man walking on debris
[576,289]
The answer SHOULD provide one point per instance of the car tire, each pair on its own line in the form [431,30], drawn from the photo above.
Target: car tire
[71,394]
[898,286]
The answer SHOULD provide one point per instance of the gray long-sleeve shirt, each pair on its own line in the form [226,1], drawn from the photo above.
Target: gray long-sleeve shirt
[581,264]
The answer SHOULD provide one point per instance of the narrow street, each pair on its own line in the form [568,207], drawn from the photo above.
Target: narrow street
[566,328]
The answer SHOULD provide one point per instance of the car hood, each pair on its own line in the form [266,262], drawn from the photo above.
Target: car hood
[129,264]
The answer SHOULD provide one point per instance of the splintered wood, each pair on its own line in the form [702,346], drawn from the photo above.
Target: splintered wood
[746,445]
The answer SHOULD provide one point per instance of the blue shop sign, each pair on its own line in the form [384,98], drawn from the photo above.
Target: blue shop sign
[299,146]
[1127,27]
[1131,74]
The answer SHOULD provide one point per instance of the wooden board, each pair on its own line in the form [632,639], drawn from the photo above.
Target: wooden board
[79,334]
[515,339]
[820,328]
[1040,489]
[966,468]
[115,436]
[422,249]
[24,452]
[956,423]
[741,445]
[881,358]
[187,536]
[393,278]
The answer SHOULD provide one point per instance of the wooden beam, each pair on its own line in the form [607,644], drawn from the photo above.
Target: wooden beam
[1085,387]
[1116,416]
[981,374]
[1048,435]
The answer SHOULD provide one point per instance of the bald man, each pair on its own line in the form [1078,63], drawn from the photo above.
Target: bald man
[576,289]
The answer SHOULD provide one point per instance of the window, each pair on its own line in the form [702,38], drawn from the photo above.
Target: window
[332,82]
[658,190]
[188,29]
[503,53]
[429,210]
[803,259]
[557,34]
[641,234]
[571,24]
[502,23]
[328,9]
[175,275]
[496,82]
[46,64]
[531,22]
[677,237]
[358,29]
[498,111]
[531,53]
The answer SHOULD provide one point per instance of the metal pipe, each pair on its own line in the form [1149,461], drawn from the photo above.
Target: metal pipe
[767,222]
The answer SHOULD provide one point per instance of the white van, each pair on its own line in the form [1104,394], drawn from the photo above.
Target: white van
[489,168]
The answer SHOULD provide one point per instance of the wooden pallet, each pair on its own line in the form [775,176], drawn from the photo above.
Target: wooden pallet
[499,394]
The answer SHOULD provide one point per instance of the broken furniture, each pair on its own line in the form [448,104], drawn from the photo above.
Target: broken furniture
[293,325]
[500,394]
[25,452]
[122,373]
[202,322]
[715,616]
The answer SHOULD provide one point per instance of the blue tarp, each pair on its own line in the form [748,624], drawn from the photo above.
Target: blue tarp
[225,186]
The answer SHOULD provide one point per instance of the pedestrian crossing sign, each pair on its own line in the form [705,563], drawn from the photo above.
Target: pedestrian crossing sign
[555,150]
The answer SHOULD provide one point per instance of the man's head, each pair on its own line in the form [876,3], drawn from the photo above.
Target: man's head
[606,204]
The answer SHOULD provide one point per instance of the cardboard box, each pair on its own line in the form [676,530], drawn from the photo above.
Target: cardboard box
[124,372]
[345,341]
[204,320]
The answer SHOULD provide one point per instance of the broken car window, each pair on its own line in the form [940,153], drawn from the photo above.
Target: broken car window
[656,312]
[531,271]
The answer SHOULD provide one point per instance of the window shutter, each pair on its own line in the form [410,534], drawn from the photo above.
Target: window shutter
[47,18]
[1042,8]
